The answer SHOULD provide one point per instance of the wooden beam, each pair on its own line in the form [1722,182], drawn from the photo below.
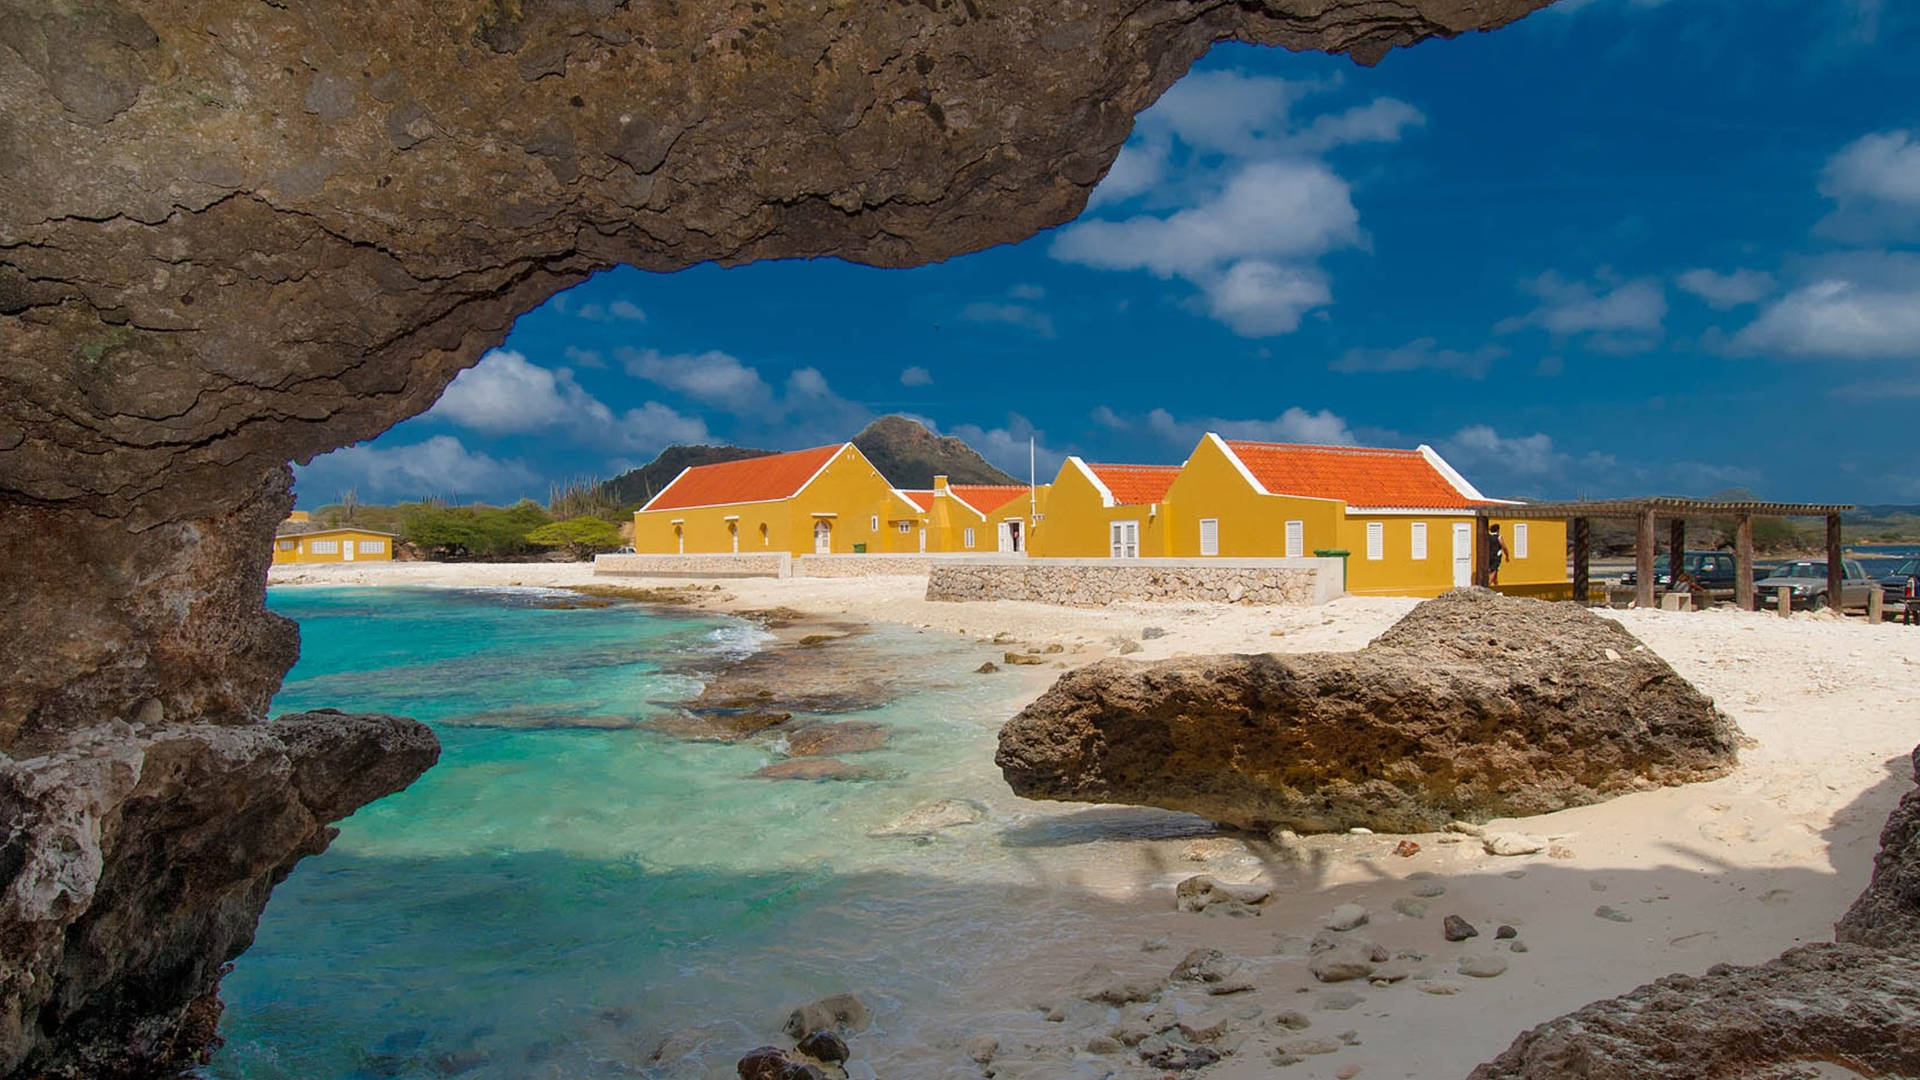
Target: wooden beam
[1834,595]
[1743,562]
[1480,537]
[1676,551]
[1582,559]
[1643,560]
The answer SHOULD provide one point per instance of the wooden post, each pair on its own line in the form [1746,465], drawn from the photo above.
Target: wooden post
[1876,605]
[1834,595]
[1743,561]
[1643,560]
[1582,560]
[1785,595]
[1480,573]
[1676,551]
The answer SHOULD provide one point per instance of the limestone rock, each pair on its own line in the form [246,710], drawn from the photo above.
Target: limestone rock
[1103,984]
[931,817]
[1455,928]
[773,1063]
[842,737]
[1474,705]
[1344,962]
[1203,892]
[814,768]
[1508,843]
[824,1046]
[1887,914]
[837,1013]
[1482,967]
[1346,917]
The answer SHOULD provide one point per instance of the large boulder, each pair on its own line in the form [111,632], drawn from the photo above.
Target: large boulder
[1887,914]
[1474,706]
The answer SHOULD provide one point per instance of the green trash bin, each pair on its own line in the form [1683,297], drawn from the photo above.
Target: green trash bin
[859,549]
[1335,553]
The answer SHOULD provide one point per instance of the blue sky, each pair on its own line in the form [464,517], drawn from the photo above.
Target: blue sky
[1621,247]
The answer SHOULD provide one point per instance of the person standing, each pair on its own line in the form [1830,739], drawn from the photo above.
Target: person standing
[1496,554]
[1910,601]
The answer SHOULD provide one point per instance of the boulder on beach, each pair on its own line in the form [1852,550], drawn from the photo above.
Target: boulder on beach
[1473,706]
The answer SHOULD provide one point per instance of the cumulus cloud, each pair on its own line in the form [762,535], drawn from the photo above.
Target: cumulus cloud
[803,408]
[1522,463]
[1020,316]
[617,311]
[1724,291]
[1006,447]
[711,378]
[584,358]
[1421,354]
[1859,307]
[440,466]
[1027,292]
[1874,182]
[506,394]
[916,376]
[1241,205]
[1295,425]
[1621,316]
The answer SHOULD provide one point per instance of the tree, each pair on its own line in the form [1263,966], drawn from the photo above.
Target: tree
[581,536]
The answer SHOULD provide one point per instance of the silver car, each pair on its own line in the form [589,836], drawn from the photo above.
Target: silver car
[1808,582]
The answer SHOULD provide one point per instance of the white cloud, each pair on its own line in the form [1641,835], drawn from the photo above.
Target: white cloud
[1862,307]
[1617,316]
[1874,182]
[617,311]
[1724,291]
[1529,464]
[916,376]
[1016,315]
[1421,354]
[1261,299]
[1138,168]
[1295,425]
[1223,111]
[439,466]
[1382,120]
[1107,418]
[712,378]
[585,358]
[1027,292]
[1006,447]
[505,393]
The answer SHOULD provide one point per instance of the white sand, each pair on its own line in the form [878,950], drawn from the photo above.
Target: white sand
[1735,870]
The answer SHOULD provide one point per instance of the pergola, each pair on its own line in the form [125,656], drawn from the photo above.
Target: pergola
[1643,511]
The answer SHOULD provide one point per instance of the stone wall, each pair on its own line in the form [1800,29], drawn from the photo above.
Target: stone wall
[773,564]
[1096,582]
[840,566]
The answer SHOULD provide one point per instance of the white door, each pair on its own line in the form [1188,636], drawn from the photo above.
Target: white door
[1462,554]
[346,549]
[1006,538]
[822,538]
[923,539]
[733,531]
[1124,539]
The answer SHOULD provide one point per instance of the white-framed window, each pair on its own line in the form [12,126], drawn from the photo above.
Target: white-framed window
[1296,539]
[873,523]
[326,547]
[372,547]
[904,526]
[1124,539]
[1376,540]
[1520,540]
[1419,540]
[966,538]
[288,545]
[1209,536]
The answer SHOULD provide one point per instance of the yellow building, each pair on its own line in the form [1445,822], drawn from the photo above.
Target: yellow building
[1112,511]
[979,517]
[330,545]
[829,499]
[1407,517]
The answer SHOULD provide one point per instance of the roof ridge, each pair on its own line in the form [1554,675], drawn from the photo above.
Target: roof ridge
[1340,448]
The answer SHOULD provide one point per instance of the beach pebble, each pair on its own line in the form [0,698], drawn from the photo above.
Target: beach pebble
[1503,932]
[1512,844]
[1339,1000]
[1310,1045]
[1346,917]
[1159,944]
[772,1063]
[987,668]
[1203,965]
[1152,632]
[1440,988]
[1290,1020]
[1181,1058]
[1346,1072]
[1103,984]
[1429,889]
[840,1012]
[1482,967]
[1456,928]
[1411,907]
[1127,648]
[1343,963]
[824,1046]
[1239,982]
[981,1048]
[1515,875]
[1558,850]
[1612,914]
[1518,946]
[1206,1026]
[1360,830]
[1202,892]
[1104,1044]
[1466,828]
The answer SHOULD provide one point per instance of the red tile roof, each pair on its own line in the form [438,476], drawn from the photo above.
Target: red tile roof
[1136,484]
[761,479]
[988,498]
[920,498]
[1356,475]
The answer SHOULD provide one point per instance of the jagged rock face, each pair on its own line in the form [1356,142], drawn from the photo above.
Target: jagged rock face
[1887,915]
[238,234]
[1473,706]
[136,862]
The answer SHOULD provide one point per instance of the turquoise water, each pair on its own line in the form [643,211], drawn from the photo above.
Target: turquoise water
[551,901]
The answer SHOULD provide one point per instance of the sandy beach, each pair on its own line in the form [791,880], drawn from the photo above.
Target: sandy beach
[1670,880]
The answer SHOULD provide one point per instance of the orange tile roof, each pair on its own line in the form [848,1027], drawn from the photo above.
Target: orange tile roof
[920,498]
[1356,475]
[988,498]
[1136,484]
[761,479]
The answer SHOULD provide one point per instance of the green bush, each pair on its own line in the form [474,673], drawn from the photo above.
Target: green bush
[581,536]
[473,532]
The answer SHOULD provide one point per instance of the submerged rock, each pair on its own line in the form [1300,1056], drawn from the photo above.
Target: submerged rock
[843,737]
[815,768]
[1474,705]
[843,1013]
[929,818]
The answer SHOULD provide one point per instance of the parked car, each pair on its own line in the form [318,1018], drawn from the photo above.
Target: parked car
[1712,569]
[1808,582]
[1893,583]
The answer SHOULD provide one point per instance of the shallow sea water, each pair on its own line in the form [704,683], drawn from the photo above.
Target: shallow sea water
[554,901]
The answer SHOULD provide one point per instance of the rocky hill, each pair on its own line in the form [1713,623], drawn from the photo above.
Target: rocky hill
[910,456]
[635,486]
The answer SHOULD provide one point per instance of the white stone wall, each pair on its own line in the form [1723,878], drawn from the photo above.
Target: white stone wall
[877,565]
[1098,582]
[774,564]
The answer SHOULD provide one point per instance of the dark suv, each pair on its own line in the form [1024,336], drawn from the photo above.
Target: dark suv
[1712,569]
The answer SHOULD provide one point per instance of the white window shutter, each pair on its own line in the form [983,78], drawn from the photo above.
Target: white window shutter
[1296,539]
[1209,536]
[1376,540]
[1520,540]
[1420,540]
